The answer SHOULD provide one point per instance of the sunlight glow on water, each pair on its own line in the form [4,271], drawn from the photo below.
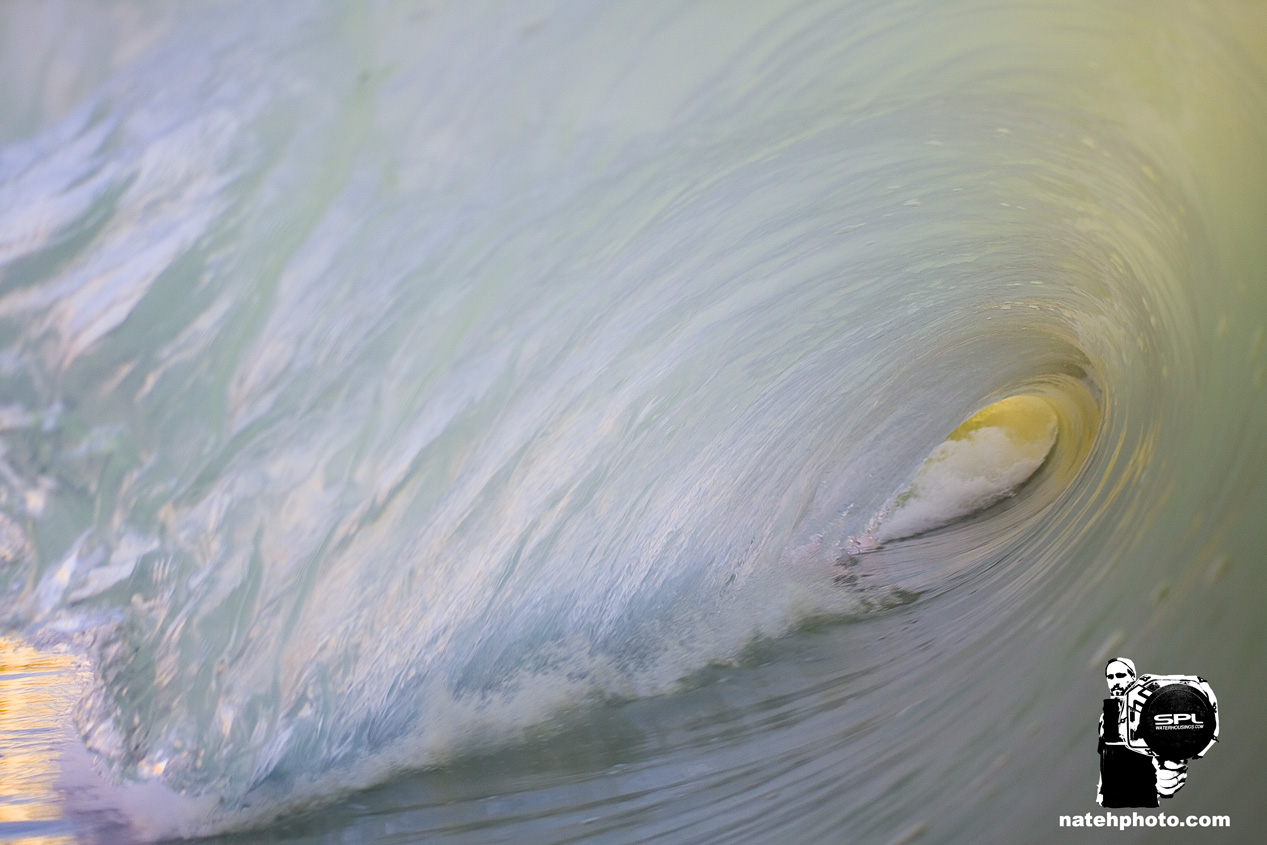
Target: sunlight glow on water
[38,690]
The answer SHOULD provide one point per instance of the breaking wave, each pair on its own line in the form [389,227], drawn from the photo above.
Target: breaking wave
[382,382]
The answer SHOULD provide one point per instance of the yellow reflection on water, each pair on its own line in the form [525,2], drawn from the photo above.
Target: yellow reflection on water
[37,691]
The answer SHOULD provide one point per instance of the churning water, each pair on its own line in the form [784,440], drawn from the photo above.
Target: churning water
[483,402]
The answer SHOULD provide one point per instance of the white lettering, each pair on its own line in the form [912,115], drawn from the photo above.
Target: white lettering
[1135,819]
[1177,719]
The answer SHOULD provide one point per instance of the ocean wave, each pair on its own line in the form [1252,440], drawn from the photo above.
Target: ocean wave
[370,405]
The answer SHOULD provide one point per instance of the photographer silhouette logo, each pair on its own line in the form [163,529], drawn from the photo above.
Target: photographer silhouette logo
[1152,725]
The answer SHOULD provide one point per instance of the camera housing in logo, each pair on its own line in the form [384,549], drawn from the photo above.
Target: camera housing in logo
[1171,717]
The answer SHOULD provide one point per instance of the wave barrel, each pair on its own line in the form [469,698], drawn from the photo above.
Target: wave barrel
[986,459]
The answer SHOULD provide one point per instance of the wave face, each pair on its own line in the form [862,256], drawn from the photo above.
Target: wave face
[382,383]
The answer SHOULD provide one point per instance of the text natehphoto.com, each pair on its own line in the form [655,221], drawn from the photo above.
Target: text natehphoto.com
[1123,821]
